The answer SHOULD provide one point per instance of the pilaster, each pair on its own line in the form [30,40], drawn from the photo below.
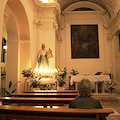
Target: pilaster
[46,25]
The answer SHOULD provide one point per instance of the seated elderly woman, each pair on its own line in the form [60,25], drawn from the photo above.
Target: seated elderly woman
[84,100]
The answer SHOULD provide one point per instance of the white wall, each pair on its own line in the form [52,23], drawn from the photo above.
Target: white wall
[87,65]
[116,61]
[24,61]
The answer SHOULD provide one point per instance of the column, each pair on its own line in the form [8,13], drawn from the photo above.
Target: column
[45,21]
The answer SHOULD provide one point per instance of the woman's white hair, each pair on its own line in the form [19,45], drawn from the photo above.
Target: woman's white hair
[84,87]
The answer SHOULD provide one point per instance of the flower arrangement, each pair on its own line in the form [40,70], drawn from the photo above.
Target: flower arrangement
[31,79]
[111,86]
[34,82]
[61,75]
[28,73]
[74,72]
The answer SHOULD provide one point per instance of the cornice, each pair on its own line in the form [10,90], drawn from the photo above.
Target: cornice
[114,18]
[55,5]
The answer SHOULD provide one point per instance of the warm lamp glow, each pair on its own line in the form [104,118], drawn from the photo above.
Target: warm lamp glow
[5,47]
[39,106]
[45,72]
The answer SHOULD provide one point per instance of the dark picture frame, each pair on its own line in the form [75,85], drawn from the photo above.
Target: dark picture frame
[84,41]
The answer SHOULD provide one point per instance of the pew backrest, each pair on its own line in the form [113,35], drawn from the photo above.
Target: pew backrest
[36,113]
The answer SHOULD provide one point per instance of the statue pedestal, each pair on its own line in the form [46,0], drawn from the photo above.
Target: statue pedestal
[47,80]
[51,81]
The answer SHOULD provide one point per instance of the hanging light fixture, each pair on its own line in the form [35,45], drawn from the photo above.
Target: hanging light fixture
[5,47]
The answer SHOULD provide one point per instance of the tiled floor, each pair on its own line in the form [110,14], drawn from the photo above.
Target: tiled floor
[111,101]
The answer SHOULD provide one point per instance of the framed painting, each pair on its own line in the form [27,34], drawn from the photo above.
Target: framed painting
[84,41]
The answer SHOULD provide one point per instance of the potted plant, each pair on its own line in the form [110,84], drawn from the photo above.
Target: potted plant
[61,82]
[60,76]
[111,86]
[34,83]
[74,72]
[11,89]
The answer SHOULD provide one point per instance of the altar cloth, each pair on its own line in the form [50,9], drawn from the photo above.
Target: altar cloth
[92,78]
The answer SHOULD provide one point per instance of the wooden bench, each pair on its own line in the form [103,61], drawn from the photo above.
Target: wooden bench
[35,101]
[35,113]
[55,95]
[50,91]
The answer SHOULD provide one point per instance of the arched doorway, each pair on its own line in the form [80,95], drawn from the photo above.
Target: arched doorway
[17,28]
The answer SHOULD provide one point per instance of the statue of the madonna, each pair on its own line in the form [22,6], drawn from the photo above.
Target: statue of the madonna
[43,56]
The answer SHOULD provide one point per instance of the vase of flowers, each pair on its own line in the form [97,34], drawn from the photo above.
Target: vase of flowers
[111,86]
[35,82]
[74,72]
[60,76]
[29,75]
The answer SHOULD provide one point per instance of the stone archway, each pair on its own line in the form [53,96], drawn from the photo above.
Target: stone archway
[18,32]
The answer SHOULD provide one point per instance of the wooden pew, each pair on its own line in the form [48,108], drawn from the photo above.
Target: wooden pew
[34,113]
[35,101]
[54,95]
[50,91]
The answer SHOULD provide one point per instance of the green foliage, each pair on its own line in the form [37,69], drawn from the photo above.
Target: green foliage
[28,73]
[74,72]
[34,81]
[61,75]
[110,85]
[11,89]
[61,82]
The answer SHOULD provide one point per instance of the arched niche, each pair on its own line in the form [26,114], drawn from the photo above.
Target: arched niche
[17,26]
[90,5]
[82,4]
[72,17]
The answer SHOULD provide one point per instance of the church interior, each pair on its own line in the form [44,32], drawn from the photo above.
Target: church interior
[48,46]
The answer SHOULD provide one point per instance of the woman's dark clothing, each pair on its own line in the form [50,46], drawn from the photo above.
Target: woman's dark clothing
[85,103]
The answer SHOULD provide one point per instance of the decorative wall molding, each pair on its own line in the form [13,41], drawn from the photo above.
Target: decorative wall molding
[108,1]
[59,36]
[83,17]
[104,22]
[115,30]
[42,20]
[42,17]
[40,5]
[37,21]
[37,2]
[18,40]
[83,4]
[24,41]
[117,8]
[109,37]
[55,25]
[61,21]
[114,18]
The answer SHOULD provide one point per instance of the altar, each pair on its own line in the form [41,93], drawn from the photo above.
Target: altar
[93,78]
[42,84]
